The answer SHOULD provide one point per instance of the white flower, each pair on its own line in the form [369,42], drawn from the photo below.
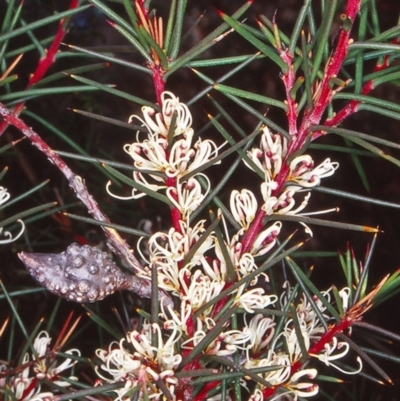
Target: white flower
[117,361]
[303,172]
[177,320]
[243,207]
[306,313]
[4,195]
[169,159]
[159,123]
[247,265]
[41,343]
[184,158]
[344,294]
[226,343]
[234,248]
[292,341]
[187,196]
[263,329]
[253,299]
[273,149]
[48,368]
[328,355]
[276,376]
[266,239]
[286,202]
[22,383]
[42,365]
[270,202]
[149,154]
[167,250]
[300,388]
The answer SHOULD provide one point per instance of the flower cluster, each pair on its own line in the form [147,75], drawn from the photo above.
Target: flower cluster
[162,162]
[25,383]
[195,266]
[302,175]
[4,197]
[285,352]
[143,366]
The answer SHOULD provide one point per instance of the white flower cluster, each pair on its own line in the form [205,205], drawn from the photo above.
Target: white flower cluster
[4,197]
[148,364]
[153,154]
[41,366]
[142,368]
[194,267]
[302,176]
[285,351]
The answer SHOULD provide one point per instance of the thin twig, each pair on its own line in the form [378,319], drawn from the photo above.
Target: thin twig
[143,287]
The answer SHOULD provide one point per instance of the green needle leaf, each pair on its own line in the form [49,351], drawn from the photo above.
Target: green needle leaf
[267,50]
[116,92]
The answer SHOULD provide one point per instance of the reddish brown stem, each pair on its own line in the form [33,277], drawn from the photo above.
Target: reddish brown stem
[313,116]
[253,231]
[158,80]
[175,213]
[45,63]
[289,79]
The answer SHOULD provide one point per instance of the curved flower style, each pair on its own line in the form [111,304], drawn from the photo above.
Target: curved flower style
[300,388]
[48,368]
[4,197]
[266,239]
[188,196]
[285,352]
[264,330]
[328,356]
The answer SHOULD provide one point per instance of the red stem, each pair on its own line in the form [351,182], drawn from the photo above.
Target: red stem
[143,9]
[158,80]
[352,106]
[315,349]
[202,395]
[289,80]
[159,88]
[311,117]
[44,63]
[253,231]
